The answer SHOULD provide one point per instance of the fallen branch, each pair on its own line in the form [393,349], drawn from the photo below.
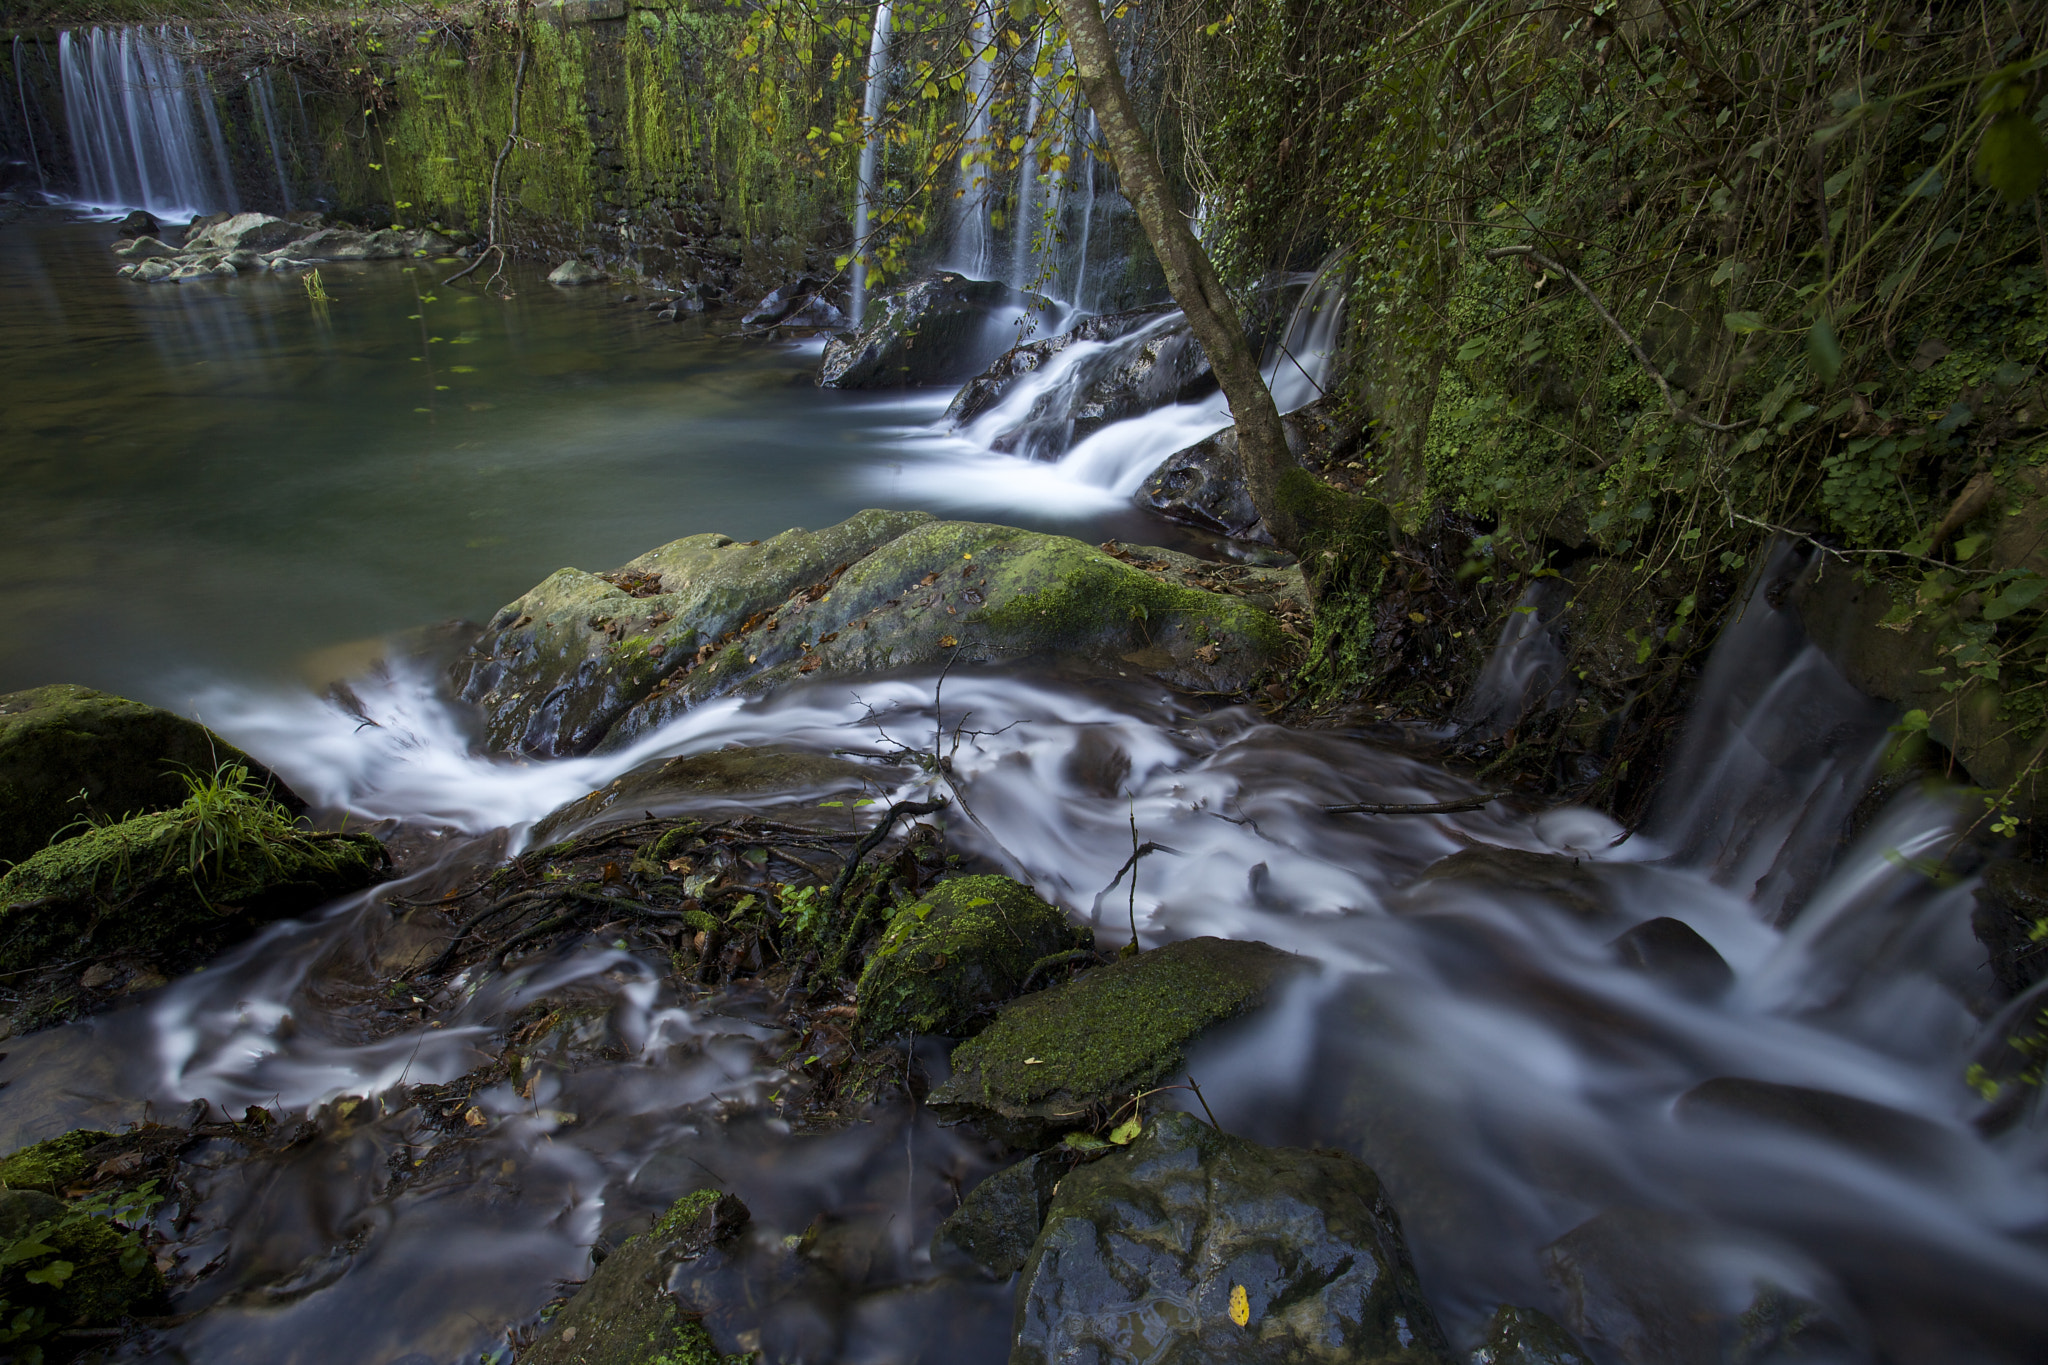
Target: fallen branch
[1416,808]
[1678,409]
[874,838]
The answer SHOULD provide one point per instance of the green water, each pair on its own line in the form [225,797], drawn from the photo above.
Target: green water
[228,479]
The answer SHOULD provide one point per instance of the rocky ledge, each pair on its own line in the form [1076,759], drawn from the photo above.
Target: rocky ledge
[588,660]
[246,243]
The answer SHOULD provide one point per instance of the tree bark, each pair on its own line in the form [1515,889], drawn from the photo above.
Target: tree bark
[1261,440]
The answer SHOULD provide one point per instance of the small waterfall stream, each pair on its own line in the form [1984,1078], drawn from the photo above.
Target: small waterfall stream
[143,130]
[863,213]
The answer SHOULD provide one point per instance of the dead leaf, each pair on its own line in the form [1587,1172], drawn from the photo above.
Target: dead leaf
[947,642]
[611,873]
[810,664]
[928,580]
[474,1117]
[1208,654]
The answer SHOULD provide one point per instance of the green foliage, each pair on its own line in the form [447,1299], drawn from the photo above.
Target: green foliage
[83,1263]
[52,1165]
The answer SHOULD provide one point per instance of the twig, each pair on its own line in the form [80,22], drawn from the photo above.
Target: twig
[1051,960]
[875,837]
[1205,1104]
[497,166]
[1417,808]
[1642,357]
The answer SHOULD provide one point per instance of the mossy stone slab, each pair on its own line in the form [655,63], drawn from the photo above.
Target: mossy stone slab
[556,668]
[624,1314]
[1055,1058]
[61,741]
[126,886]
[665,786]
[54,1164]
[948,958]
[1200,1248]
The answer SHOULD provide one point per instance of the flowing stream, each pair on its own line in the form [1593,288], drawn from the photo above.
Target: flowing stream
[1470,1031]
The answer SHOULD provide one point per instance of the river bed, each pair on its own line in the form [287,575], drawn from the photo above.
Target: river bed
[222,483]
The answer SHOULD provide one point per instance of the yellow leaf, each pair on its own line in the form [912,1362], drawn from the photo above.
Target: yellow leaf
[1240,1305]
[947,642]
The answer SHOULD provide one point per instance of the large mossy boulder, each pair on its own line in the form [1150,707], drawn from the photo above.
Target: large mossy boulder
[589,660]
[938,330]
[1057,1058]
[954,954]
[69,753]
[1193,1246]
[53,1165]
[624,1314]
[175,885]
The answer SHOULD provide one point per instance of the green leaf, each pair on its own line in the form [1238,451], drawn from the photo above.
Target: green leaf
[55,1273]
[1912,722]
[1823,351]
[1085,1142]
[2011,158]
[2017,597]
[1967,547]
[1472,349]
[1927,186]
[1127,1131]
[1742,324]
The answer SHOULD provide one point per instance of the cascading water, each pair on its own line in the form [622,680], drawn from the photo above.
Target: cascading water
[863,212]
[1557,1126]
[136,113]
[266,110]
[973,235]
[975,467]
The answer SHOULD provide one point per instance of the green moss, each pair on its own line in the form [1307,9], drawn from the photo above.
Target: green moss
[1063,592]
[1055,1055]
[1344,541]
[110,1274]
[52,1165]
[949,957]
[683,1213]
[185,880]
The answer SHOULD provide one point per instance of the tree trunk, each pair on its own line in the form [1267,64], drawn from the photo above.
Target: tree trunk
[1261,440]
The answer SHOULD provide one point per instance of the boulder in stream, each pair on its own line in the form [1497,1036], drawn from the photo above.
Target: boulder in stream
[144,248]
[588,660]
[1204,485]
[937,330]
[745,777]
[1059,1058]
[987,389]
[573,273]
[952,955]
[179,883]
[138,223]
[69,754]
[1522,1336]
[257,232]
[1206,1247]
[625,1315]
[996,1225]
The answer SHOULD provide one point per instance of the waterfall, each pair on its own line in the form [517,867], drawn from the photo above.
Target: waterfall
[129,101]
[971,244]
[863,209]
[1027,185]
[1086,161]
[266,110]
[27,124]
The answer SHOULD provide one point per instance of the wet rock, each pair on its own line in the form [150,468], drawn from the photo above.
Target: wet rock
[132,886]
[555,670]
[1204,485]
[254,232]
[572,273]
[996,1225]
[2011,901]
[53,1165]
[800,303]
[138,223]
[1875,1130]
[144,249]
[1057,1058]
[585,659]
[665,786]
[347,244]
[1152,1243]
[937,330]
[150,271]
[1156,364]
[954,954]
[1513,873]
[1653,1288]
[60,741]
[992,385]
[1673,951]
[624,1314]
[1522,1336]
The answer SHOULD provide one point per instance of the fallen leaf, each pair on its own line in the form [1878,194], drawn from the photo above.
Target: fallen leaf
[1033,1061]
[474,1117]
[947,642]
[810,664]
[1127,1131]
[1417,617]
[611,873]
[1240,1305]
[928,580]
[1208,653]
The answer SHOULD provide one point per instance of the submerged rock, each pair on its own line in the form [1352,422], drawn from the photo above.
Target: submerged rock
[68,753]
[949,957]
[185,881]
[1194,1246]
[1522,1336]
[937,330]
[1057,1058]
[1673,951]
[585,659]
[624,1314]
[572,273]
[996,1225]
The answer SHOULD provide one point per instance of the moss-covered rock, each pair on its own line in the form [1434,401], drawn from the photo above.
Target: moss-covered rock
[180,881]
[67,753]
[1055,1058]
[997,1224]
[624,1315]
[1219,1250]
[556,669]
[587,659]
[954,954]
[110,1277]
[54,1164]
[666,786]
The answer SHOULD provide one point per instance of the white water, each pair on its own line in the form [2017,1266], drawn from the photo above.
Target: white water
[863,211]
[143,130]
[962,470]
